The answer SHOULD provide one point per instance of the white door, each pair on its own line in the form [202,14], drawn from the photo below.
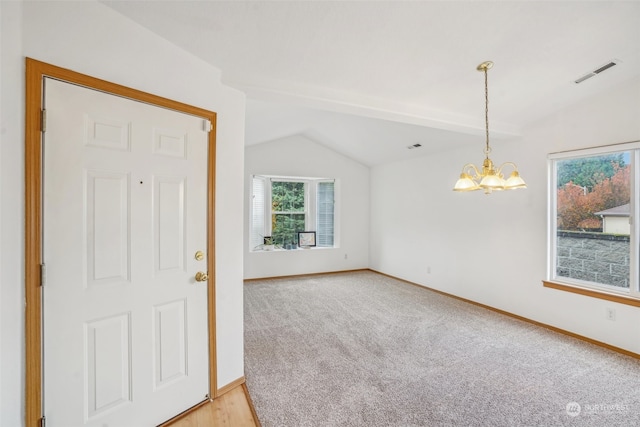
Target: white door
[125,199]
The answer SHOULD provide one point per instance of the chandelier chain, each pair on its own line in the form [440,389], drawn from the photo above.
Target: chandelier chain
[486,111]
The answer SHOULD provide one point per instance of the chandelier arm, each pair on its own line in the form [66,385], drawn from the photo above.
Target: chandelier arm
[513,165]
[472,170]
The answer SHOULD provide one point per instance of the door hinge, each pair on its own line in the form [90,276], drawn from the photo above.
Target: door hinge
[43,274]
[207,126]
[43,120]
[43,422]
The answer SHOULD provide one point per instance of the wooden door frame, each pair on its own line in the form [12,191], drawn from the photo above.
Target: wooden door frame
[36,71]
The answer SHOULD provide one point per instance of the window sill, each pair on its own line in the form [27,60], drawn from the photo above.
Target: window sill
[314,248]
[609,296]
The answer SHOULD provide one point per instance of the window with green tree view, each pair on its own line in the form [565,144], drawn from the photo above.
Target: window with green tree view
[283,206]
[593,241]
[288,210]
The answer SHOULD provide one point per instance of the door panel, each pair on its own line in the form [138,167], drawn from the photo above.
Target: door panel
[169,208]
[125,199]
[108,371]
[107,227]
[170,346]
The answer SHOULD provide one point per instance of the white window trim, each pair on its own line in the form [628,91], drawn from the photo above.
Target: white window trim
[634,250]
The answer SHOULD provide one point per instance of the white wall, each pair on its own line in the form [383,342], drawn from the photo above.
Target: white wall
[91,38]
[493,248]
[299,156]
[11,217]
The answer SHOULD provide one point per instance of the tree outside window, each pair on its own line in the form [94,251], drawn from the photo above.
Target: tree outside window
[288,211]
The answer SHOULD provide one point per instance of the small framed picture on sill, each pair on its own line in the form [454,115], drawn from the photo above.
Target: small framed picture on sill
[306,239]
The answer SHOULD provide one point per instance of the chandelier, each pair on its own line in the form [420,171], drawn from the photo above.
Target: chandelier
[488,178]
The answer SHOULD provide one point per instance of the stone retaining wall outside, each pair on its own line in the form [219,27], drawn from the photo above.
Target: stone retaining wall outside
[595,257]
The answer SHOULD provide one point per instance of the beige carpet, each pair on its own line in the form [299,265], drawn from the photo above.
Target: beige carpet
[361,349]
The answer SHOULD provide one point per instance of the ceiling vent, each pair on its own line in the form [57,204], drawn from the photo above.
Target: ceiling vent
[597,71]
[411,147]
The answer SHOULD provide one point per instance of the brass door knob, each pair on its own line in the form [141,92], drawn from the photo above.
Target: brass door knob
[201,277]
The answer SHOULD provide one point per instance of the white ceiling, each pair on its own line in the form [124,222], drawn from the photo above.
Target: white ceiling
[369,78]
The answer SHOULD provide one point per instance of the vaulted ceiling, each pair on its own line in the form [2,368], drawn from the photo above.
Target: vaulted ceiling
[369,78]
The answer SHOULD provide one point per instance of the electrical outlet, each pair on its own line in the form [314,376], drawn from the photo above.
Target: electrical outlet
[610,314]
[429,270]
[345,256]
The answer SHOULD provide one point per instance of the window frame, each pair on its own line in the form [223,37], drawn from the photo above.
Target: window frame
[310,212]
[631,295]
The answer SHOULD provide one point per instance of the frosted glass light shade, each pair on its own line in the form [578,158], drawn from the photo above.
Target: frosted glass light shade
[492,182]
[515,181]
[465,183]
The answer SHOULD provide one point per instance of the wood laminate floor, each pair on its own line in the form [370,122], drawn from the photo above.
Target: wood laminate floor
[232,409]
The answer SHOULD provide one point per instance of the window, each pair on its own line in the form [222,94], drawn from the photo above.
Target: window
[325,221]
[288,210]
[258,204]
[283,206]
[593,201]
